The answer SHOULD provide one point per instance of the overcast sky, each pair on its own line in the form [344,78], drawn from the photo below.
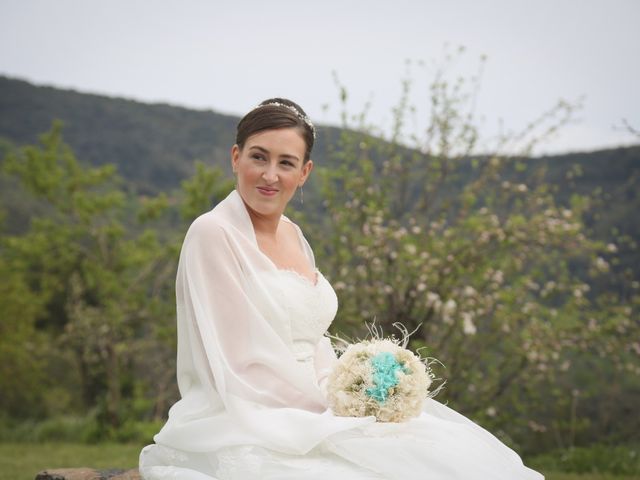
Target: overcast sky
[228,55]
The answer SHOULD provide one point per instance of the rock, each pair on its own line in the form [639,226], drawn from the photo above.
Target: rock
[88,474]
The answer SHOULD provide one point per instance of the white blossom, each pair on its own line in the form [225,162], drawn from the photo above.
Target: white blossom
[339,285]
[602,265]
[468,326]
[433,300]
[469,291]
[450,305]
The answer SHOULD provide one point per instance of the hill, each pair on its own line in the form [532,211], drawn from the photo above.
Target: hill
[154,146]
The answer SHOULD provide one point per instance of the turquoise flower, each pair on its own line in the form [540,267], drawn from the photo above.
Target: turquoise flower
[385,368]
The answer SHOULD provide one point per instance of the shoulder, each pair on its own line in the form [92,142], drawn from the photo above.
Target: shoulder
[211,235]
[208,225]
[290,225]
[291,230]
[229,215]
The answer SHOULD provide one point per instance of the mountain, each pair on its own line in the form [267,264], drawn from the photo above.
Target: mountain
[154,145]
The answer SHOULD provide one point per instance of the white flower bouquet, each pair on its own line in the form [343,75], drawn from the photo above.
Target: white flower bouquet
[379,377]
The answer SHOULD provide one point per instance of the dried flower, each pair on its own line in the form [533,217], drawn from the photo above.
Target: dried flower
[379,378]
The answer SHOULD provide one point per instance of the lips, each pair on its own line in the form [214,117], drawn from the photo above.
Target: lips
[269,191]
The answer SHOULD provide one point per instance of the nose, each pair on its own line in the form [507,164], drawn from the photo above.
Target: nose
[270,174]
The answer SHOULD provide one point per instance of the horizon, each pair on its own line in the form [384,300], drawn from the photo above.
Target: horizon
[318,124]
[227,57]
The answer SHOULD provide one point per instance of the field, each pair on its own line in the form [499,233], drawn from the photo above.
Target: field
[21,461]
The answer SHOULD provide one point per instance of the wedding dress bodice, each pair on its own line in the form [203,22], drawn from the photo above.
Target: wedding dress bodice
[308,309]
[311,309]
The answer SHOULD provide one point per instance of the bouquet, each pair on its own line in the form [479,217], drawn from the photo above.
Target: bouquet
[379,377]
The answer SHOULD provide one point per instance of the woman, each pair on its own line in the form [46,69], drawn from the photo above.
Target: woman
[252,358]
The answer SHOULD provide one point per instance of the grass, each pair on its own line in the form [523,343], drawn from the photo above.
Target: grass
[586,476]
[597,458]
[21,461]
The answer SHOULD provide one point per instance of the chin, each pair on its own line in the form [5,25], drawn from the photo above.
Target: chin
[263,207]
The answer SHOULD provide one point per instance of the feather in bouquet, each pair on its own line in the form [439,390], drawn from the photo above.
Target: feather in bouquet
[380,377]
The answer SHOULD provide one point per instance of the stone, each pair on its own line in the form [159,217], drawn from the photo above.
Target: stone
[88,474]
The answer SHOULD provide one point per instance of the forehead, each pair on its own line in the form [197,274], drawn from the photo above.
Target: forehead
[280,140]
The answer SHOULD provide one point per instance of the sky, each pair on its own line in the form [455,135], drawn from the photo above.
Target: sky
[229,55]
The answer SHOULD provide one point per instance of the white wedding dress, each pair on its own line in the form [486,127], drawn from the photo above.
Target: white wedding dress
[251,378]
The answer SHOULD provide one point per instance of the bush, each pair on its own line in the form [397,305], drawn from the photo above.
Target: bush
[60,428]
[74,429]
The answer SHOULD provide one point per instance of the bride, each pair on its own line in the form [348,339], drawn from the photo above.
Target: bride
[252,356]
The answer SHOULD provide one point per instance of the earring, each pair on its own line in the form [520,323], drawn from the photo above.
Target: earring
[301,195]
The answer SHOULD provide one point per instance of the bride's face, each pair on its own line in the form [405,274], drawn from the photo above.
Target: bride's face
[269,168]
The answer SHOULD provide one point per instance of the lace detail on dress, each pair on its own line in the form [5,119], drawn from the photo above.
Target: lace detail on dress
[307,309]
[311,308]
[302,277]
[238,463]
[176,457]
[168,463]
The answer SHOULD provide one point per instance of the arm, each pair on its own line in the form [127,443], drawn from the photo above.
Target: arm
[325,360]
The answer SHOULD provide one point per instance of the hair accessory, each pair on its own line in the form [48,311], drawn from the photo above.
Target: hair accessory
[298,113]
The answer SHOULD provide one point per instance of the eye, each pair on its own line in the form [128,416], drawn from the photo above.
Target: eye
[257,156]
[287,163]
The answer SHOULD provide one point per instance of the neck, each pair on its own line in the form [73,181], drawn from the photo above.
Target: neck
[264,225]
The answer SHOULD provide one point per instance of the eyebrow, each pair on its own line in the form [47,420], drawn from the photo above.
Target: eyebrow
[264,150]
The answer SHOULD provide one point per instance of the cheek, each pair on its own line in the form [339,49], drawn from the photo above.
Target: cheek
[247,173]
[293,180]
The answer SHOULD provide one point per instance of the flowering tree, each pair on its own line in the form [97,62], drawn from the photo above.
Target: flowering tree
[489,270]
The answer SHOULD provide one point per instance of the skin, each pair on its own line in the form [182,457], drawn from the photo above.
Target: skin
[269,169]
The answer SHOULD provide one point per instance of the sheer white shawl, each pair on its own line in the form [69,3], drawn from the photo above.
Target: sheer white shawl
[239,382]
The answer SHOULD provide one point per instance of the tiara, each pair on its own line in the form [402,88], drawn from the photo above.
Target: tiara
[298,113]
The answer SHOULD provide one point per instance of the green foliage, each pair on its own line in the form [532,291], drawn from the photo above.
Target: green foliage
[207,187]
[619,460]
[57,428]
[495,275]
[519,274]
[88,277]
[595,476]
[148,143]
[21,359]
[87,312]
[77,429]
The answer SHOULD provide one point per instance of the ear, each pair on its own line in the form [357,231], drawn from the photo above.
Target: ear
[306,170]
[235,158]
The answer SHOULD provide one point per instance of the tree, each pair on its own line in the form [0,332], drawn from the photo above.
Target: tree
[94,282]
[88,316]
[489,270]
